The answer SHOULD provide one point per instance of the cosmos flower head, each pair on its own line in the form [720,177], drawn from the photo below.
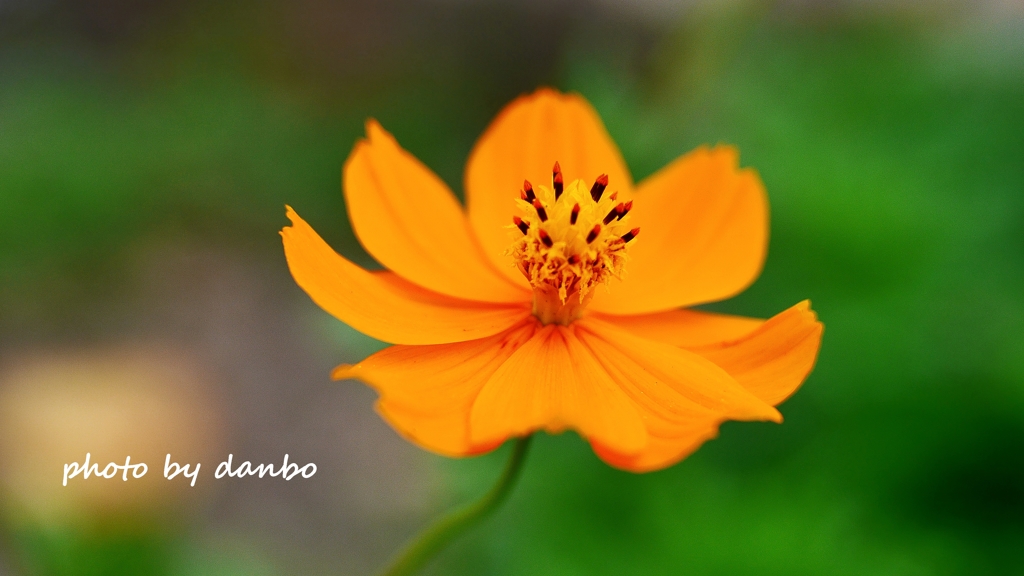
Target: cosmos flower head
[560,298]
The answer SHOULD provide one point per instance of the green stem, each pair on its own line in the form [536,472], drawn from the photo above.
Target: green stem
[429,542]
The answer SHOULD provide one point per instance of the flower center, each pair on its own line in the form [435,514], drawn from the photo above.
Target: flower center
[572,239]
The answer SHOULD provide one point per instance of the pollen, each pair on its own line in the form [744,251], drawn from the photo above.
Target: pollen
[577,240]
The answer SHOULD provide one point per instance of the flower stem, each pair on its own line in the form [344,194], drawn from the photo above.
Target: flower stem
[429,542]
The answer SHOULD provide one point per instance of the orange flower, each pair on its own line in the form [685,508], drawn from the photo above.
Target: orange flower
[499,318]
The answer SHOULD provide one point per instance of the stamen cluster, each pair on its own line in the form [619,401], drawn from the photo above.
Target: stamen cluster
[570,238]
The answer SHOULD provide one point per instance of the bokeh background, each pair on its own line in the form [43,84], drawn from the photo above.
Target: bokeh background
[147,150]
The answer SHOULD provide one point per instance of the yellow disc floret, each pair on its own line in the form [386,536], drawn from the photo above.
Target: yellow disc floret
[568,240]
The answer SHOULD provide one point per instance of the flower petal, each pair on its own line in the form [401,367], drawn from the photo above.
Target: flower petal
[553,383]
[686,328]
[682,397]
[426,392]
[408,219]
[771,362]
[679,442]
[704,236]
[694,377]
[381,304]
[776,358]
[524,142]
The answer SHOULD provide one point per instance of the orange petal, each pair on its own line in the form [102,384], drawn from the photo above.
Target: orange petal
[704,226]
[775,359]
[663,451]
[771,362]
[681,397]
[524,142]
[686,328]
[553,383]
[426,392]
[694,377]
[381,304]
[408,219]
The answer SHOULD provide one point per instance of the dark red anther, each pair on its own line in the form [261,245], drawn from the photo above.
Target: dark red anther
[625,209]
[556,180]
[575,214]
[573,260]
[546,239]
[528,191]
[523,195]
[541,212]
[630,235]
[593,233]
[618,211]
[599,185]
[523,226]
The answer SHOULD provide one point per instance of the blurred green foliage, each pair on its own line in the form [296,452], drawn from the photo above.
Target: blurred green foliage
[893,153]
[88,553]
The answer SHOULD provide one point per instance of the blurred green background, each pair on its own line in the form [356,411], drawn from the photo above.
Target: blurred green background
[147,150]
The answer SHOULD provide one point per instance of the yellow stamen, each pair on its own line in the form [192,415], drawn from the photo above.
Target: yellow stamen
[576,240]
